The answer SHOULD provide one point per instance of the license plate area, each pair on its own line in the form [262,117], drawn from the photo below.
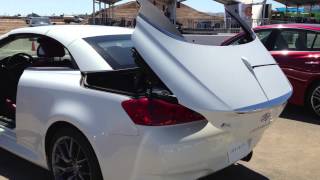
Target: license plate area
[238,150]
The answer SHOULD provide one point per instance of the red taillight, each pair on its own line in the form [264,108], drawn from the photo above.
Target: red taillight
[155,112]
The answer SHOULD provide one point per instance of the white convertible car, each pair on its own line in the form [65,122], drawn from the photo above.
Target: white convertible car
[93,103]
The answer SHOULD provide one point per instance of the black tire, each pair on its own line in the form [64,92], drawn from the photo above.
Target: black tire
[88,169]
[313,101]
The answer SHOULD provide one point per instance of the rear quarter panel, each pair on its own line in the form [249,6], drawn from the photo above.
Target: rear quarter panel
[48,96]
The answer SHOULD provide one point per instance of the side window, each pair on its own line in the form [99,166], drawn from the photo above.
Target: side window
[295,40]
[316,44]
[311,36]
[264,36]
[46,52]
[241,40]
[20,45]
[116,50]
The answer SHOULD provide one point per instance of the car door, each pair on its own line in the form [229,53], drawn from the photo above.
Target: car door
[297,49]
[297,52]
[205,78]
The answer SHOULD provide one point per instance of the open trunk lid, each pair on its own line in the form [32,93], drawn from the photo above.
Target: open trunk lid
[209,79]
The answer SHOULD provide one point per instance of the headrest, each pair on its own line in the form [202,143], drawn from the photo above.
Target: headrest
[300,43]
[49,48]
[281,43]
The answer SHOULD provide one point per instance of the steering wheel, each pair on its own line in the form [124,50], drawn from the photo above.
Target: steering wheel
[14,67]
[19,61]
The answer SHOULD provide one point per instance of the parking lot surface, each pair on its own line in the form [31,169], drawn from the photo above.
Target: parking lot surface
[289,150]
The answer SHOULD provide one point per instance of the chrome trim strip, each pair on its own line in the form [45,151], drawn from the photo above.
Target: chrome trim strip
[265,105]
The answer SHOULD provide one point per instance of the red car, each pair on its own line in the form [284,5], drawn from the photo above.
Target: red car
[296,47]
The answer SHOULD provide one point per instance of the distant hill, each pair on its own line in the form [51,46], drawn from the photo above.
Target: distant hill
[219,14]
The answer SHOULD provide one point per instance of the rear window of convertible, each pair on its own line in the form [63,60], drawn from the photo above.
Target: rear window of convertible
[116,50]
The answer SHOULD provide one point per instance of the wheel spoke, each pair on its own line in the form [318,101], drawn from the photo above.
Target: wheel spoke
[317,93]
[63,169]
[63,156]
[70,148]
[73,177]
[66,147]
[316,98]
[81,161]
[78,153]
[80,176]
[317,108]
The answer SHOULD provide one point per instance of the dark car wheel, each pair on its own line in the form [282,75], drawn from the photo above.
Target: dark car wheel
[71,157]
[314,99]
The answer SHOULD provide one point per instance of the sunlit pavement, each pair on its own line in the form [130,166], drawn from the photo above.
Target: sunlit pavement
[289,150]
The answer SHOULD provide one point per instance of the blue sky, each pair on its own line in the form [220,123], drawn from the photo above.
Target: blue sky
[49,7]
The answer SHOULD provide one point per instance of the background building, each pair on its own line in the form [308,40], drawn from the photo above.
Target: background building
[186,17]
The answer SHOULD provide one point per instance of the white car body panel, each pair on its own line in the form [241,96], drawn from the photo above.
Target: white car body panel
[232,90]
[50,101]
[238,104]
[118,144]
[184,66]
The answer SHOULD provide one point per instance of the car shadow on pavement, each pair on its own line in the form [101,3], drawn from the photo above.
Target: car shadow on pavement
[234,172]
[15,168]
[298,113]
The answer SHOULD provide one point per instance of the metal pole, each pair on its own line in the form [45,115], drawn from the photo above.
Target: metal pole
[264,11]
[100,15]
[112,11]
[174,14]
[94,12]
[109,10]
[105,13]
[109,14]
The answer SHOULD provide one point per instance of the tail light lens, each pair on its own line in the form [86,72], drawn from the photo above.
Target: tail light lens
[155,112]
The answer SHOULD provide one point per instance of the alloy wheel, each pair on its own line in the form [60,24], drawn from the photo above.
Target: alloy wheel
[69,161]
[315,100]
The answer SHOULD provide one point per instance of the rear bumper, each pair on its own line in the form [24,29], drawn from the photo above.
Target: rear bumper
[185,152]
[188,152]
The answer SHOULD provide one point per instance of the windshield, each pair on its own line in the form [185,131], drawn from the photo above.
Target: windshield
[116,50]
[40,21]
